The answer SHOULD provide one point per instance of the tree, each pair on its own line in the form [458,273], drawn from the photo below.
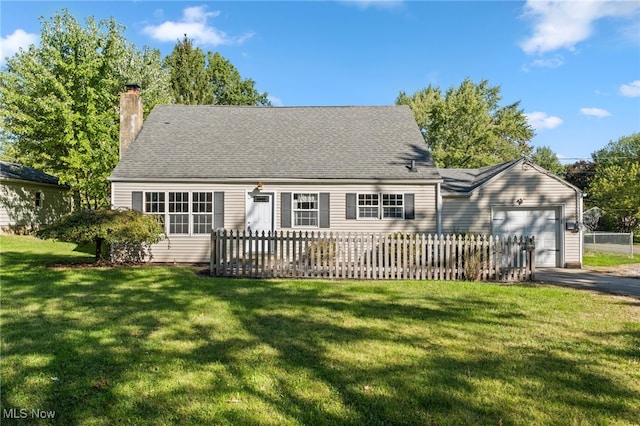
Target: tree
[545,157]
[199,79]
[580,174]
[187,75]
[59,102]
[466,127]
[616,184]
[129,233]
[228,86]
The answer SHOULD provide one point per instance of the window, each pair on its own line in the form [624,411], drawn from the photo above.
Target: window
[182,212]
[378,206]
[154,205]
[38,199]
[305,209]
[202,209]
[392,207]
[368,206]
[178,212]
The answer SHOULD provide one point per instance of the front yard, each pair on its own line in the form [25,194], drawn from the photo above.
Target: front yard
[167,345]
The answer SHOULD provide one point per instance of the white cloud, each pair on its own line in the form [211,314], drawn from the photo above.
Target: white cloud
[595,112]
[275,101]
[11,44]
[381,4]
[562,24]
[194,24]
[554,62]
[540,120]
[631,90]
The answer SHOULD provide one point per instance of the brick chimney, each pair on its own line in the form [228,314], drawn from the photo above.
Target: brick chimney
[131,116]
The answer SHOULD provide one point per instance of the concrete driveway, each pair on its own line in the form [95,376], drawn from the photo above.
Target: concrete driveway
[626,284]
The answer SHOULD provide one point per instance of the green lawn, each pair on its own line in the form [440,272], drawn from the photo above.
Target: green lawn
[167,345]
[600,258]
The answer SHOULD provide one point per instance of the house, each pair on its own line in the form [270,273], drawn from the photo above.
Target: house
[334,169]
[30,198]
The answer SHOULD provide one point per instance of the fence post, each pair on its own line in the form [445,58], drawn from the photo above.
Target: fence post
[212,267]
[533,258]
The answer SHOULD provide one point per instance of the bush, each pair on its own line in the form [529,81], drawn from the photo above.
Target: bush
[128,233]
[321,251]
[397,240]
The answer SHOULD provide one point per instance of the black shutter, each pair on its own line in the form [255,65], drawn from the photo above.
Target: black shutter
[352,205]
[409,211]
[285,210]
[324,210]
[136,200]
[218,210]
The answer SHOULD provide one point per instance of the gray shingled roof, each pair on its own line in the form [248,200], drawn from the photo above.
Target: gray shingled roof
[466,180]
[226,142]
[20,172]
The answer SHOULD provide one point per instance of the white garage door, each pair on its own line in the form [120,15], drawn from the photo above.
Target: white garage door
[543,224]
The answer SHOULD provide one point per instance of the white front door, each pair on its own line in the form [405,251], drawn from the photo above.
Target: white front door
[544,224]
[259,213]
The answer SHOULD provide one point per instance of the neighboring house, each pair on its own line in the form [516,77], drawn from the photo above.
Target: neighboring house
[30,198]
[328,169]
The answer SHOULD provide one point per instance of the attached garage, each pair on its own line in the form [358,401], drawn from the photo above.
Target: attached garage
[514,199]
[543,224]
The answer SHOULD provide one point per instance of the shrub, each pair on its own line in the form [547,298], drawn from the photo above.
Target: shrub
[128,233]
[321,251]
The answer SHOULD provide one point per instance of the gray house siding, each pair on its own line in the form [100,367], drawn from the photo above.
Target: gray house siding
[195,248]
[25,206]
[522,186]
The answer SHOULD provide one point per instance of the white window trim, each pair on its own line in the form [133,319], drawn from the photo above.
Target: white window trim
[294,210]
[358,217]
[193,213]
[190,213]
[380,206]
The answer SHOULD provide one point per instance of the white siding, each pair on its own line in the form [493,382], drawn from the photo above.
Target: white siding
[196,248]
[18,210]
[525,183]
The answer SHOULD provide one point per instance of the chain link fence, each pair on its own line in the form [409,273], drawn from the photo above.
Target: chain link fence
[611,242]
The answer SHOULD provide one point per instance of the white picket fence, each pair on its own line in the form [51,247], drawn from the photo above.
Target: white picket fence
[371,256]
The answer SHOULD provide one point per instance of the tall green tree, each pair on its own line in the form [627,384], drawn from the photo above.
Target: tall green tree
[59,101]
[466,127]
[187,75]
[616,184]
[545,157]
[208,79]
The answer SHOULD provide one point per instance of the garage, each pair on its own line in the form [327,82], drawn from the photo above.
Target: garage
[541,223]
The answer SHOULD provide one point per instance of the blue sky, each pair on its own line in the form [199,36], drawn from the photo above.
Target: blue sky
[573,65]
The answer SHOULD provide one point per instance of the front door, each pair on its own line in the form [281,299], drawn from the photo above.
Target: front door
[259,213]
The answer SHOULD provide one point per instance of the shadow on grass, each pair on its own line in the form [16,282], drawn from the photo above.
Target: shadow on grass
[166,346]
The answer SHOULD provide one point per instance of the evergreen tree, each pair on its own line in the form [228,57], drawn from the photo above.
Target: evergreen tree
[199,79]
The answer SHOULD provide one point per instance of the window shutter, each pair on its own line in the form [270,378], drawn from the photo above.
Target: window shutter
[352,206]
[218,210]
[285,210]
[324,210]
[409,211]
[136,200]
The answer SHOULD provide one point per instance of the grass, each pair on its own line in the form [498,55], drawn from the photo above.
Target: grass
[167,345]
[602,258]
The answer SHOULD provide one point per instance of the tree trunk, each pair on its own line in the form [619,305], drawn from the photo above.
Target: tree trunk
[99,242]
